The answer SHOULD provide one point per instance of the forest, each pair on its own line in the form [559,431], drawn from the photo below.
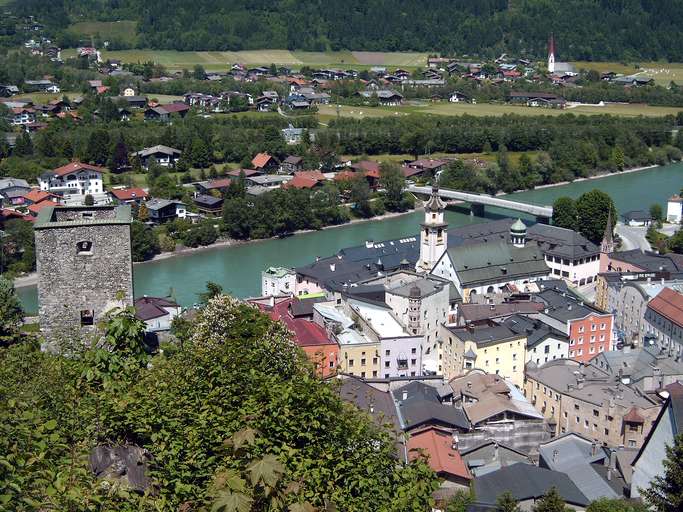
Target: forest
[626,30]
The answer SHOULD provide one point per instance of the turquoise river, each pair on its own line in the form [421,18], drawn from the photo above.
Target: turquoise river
[238,268]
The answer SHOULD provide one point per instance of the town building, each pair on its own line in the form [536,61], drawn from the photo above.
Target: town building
[543,342]
[13,191]
[292,164]
[159,154]
[419,405]
[674,209]
[585,399]
[135,195]
[664,320]
[74,179]
[637,218]
[208,205]
[491,455]
[164,113]
[478,313]
[433,234]
[590,331]
[22,116]
[277,281]
[163,210]
[265,163]
[649,462]
[157,312]
[496,349]
[84,264]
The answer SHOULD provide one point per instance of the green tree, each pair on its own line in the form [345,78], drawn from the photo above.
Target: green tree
[89,200]
[144,242]
[11,314]
[119,158]
[551,501]
[615,505]
[564,213]
[592,211]
[143,213]
[665,493]
[23,145]
[618,158]
[97,149]
[657,212]
[359,195]
[675,243]
[212,290]
[507,503]
[198,72]
[199,153]
[392,181]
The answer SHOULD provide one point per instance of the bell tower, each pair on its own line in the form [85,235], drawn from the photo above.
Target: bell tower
[551,54]
[607,244]
[433,234]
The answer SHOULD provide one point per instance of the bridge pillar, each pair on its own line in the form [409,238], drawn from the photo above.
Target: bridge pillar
[477,209]
[542,220]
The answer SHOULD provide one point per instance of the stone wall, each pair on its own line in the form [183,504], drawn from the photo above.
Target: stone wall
[73,280]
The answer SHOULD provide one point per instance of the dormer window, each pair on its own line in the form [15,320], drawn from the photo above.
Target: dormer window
[84,248]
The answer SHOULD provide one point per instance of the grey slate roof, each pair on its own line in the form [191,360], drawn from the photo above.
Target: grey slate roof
[573,455]
[426,287]
[648,261]
[165,150]
[417,390]
[417,412]
[638,363]
[562,305]
[379,404]
[552,240]
[158,204]
[526,482]
[492,262]
[13,182]
[534,330]
[483,335]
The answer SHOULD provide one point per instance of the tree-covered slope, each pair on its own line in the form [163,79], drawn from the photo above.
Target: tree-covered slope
[584,29]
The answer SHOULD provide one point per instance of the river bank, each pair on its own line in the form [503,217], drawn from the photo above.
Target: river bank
[594,177]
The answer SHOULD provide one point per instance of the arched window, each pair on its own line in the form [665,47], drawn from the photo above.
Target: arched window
[490,289]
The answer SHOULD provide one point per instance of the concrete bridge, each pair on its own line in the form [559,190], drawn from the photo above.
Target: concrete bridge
[479,201]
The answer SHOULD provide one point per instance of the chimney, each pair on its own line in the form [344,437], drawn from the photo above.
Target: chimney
[556,454]
[454,445]
[579,383]
[405,395]
[594,448]
[271,301]
[333,267]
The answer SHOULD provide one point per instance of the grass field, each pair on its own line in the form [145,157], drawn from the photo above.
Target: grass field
[327,112]
[216,61]
[662,72]
[121,30]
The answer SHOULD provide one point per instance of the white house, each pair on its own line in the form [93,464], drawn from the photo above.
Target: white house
[162,210]
[72,179]
[129,91]
[543,342]
[278,281]
[163,155]
[674,209]
[157,313]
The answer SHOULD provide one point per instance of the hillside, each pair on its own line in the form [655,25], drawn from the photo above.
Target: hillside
[584,29]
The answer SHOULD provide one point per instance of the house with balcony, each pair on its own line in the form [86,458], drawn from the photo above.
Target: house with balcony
[74,179]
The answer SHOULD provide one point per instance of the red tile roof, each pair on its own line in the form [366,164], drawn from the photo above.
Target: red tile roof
[174,108]
[7,214]
[411,171]
[344,175]
[669,304]
[220,183]
[366,165]
[437,446]
[35,208]
[261,160]
[314,175]
[306,333]
[301,182]
[247,172]
[128,194]
[37,196]
[75,167]
[632,416]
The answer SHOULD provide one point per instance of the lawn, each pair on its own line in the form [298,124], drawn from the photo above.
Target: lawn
[217,61]
[662,72]
[45,97]
[327,112]
[121,30]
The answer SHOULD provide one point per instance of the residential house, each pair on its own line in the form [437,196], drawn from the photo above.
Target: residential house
[40,86]
[543,342]
[164,113]
[649,462]
[527,484]
[35,209]
[293,135]
[459,97]
[385,97]
[589,330]
[664,320]
[497,411]
[208,204]
[305,180]
[128,92]
[292,164]
[265,103]
[134,195]
[538,99]
[674,209]
[489,456]
[585,399]
[419,406]
[648,369]
[21,116]
[72,179]
[277,281]
[585,462]
[13,191]
[428,166]
[36,196]
[163,210]
[637,218]
[265,163]
[435,446]
[157,312]
[132,101]
[493,348]
[159,154]
[7,91]
[219,185]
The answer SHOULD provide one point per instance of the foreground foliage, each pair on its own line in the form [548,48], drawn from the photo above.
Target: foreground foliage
[234,420]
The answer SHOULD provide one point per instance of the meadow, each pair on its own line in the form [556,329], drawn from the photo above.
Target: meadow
[663,72]
[120,30]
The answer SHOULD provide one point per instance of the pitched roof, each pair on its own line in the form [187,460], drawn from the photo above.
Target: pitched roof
[147,308]
[476,312]
[159,148]
[306,333]
[378,404]
[36,196]
[36,208]
[301,182]
[417,411]
[437,445]
[648,261]
[128,194]
[174,108]
[261,160]
[75,167]
[526,482]
[669,304]
[366,165]
[293,160]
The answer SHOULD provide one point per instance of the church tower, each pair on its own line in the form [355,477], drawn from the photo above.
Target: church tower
[551,54]
[607,244]
[433,235]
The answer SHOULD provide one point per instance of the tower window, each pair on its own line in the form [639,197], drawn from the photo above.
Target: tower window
[87,317]
[84,247]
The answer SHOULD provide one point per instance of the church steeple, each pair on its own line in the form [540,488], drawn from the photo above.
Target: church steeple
[433,234]
[551,54]
[607,245]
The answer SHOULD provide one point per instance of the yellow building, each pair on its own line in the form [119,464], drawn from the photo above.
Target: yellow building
[493,348]
[358,355]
